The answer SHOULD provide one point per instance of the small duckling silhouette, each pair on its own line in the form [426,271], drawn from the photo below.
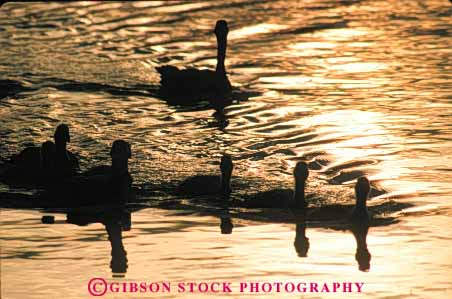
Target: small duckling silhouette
[281,198]
[354,214]
[210,184]
[112,187]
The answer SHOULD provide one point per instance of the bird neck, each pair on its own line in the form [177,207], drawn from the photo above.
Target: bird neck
[120,166]
[225,184]
[299,192]
[361,202]
[222,40]
[60,146]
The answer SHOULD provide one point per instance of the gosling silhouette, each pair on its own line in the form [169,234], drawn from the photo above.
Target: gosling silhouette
[111,188]
[210,184]
[189,86]
[116,166]
[281,198]
[346,214]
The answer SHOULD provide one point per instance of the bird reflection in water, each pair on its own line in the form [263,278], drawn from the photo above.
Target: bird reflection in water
[116,221]
[301,242]
[226,224]
[362,254]
[220,121]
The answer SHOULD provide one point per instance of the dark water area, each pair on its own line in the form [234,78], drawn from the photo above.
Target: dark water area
[350,87]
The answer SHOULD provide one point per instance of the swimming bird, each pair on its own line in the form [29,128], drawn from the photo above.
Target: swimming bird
[66,163]
[210,184]
[112,187]
[117,146]
[356,214]
[189,86]
[281,198]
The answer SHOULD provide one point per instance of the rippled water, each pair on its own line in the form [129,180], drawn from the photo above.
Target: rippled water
[352,87]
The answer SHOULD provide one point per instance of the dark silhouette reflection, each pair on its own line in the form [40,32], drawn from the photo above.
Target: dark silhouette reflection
[226,224]
[220,120]
[116,221]
[362,254]
[301,242]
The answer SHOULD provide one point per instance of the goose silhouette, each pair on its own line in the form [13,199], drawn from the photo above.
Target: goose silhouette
[190,86]
[221,185]
[108,187]
[209,184]
[66,163]
[281,198]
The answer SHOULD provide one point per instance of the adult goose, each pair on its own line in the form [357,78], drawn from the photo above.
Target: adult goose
[189,86]
[66,163]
